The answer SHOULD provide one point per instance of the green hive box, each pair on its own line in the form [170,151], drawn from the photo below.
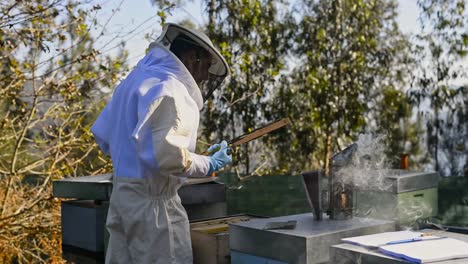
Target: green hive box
[453,201]
[411,196]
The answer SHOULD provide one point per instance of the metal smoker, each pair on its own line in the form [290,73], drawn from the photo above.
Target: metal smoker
[339,198]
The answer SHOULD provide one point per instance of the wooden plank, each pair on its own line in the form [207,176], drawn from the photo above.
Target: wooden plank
[259,132]
[254,134]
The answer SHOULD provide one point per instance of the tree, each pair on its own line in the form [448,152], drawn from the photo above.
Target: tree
[51,78]
[346,51]
[440,50]
[393,117]
[391,113]
[253,37]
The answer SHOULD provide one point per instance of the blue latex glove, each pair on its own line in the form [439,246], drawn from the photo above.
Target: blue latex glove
[213,147]
[220,158]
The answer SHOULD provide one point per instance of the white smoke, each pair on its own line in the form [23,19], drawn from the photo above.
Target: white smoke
[369,166]
[367,174]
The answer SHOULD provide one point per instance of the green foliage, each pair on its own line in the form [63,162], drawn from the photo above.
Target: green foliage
[347,49]
[51,77]
[440,51]
[164,8]
[253,37]
[393,119]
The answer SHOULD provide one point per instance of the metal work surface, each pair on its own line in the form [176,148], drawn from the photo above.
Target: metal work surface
[351,254]
[309,242]
[99,187]
[406,181]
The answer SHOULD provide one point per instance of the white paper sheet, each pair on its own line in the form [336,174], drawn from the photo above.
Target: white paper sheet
[377,240]
[428,251]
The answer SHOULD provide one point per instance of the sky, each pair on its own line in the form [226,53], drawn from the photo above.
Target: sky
[142,19]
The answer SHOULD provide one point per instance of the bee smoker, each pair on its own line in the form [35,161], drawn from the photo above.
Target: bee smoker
[338,199]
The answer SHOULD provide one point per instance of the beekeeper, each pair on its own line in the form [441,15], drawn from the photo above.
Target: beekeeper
[149,128]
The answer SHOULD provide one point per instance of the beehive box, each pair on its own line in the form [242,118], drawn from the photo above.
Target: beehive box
[210,239]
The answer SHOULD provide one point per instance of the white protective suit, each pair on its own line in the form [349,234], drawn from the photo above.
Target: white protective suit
[149,128]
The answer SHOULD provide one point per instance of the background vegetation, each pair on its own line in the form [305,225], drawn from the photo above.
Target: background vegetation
[336,68]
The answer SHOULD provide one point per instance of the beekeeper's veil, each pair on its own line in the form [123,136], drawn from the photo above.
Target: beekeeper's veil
[218,69]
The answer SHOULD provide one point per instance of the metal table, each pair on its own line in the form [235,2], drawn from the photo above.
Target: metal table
[99,188]
[351,254]
[309,242]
